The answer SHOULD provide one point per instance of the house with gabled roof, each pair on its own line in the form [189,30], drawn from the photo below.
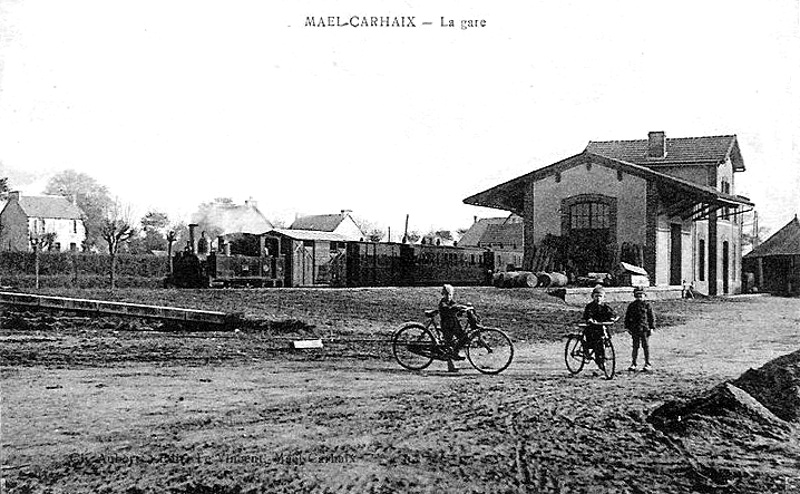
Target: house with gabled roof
[672,199]
[33,217]
[502,235]
[341,224]
[775,263]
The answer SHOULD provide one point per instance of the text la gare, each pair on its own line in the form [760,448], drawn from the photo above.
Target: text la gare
[465,23]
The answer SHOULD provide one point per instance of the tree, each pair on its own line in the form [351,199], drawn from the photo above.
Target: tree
[4,188]
[411,237]
[116,228]
[155,221]
[47,240]
[374,235]
[444,234]
[155,226]
[91,197]
[752,233]
[171,238]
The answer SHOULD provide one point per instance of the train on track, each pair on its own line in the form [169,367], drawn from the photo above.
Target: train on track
[299,258]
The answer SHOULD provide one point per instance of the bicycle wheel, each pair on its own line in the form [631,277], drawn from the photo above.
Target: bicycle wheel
[413,346]
[490,350]
[574,354]
[609,361]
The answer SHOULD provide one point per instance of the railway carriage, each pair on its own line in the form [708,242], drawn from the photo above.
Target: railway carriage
[297,258]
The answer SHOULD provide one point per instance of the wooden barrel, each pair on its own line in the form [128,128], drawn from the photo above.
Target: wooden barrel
[527,279]
[558,279]
[544,279]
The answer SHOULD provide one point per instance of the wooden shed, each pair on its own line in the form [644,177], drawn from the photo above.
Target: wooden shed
[775,264]
[312,258]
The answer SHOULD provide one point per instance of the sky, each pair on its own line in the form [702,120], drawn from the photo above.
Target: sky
[172,103]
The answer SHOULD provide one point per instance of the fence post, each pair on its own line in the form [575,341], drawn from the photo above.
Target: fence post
[74,258]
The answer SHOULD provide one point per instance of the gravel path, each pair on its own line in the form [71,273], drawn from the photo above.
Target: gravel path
[366,425]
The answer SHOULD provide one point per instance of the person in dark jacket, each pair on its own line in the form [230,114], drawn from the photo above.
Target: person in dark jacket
[640,323]
[596,314]
[449,311]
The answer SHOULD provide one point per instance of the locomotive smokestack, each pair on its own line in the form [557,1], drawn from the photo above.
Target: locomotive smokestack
[192,242]
[220,244]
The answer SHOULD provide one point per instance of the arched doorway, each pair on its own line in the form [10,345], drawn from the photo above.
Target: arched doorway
[589,223]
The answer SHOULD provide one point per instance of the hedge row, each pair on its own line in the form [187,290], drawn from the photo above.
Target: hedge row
[28,282]
[82,265]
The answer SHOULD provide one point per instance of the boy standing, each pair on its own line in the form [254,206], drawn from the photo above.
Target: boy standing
[640,323]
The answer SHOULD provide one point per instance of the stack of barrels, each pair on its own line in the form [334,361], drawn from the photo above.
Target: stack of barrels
[528,279]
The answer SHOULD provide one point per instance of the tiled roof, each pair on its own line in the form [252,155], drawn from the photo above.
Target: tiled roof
[309,235]
[319,223]
[49,207]
[509,234]
[475,233]
[682,150]
[509,196]
[785,241]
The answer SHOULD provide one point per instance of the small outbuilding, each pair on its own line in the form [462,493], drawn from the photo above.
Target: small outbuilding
[312,258]
[775,264]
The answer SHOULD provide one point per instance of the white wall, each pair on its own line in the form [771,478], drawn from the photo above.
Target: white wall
[67,231]
[630,194]
[349,229]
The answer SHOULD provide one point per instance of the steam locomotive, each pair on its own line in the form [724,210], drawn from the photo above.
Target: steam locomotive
[294,258]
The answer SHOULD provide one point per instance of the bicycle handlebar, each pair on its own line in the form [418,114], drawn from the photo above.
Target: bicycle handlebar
[598,323]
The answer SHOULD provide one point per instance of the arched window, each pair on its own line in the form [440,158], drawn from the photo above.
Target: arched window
[589,216]
[589,223]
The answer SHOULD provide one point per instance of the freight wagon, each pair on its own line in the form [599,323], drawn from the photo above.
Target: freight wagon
[299,258]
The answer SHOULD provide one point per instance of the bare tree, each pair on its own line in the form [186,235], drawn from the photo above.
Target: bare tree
[171,238]
[47,240]
[371,230]
[116,228]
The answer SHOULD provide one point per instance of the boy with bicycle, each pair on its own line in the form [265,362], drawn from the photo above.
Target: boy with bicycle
[596,313]
[449,311]
[640,323]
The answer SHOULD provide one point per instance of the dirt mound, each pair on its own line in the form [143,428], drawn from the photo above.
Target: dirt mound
[725,404]
[776,385]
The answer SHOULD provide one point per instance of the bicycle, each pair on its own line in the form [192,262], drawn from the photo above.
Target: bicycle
[576,353]
[416,345]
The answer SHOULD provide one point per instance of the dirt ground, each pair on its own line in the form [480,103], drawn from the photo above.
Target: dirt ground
[93,407]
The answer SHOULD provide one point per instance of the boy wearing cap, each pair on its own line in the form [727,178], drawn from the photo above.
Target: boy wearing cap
[640,323]
[449,310]
[595,314]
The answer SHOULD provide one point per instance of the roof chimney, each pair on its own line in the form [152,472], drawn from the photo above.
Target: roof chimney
[656,144]
[13,195]
[250,202]
[346,211]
